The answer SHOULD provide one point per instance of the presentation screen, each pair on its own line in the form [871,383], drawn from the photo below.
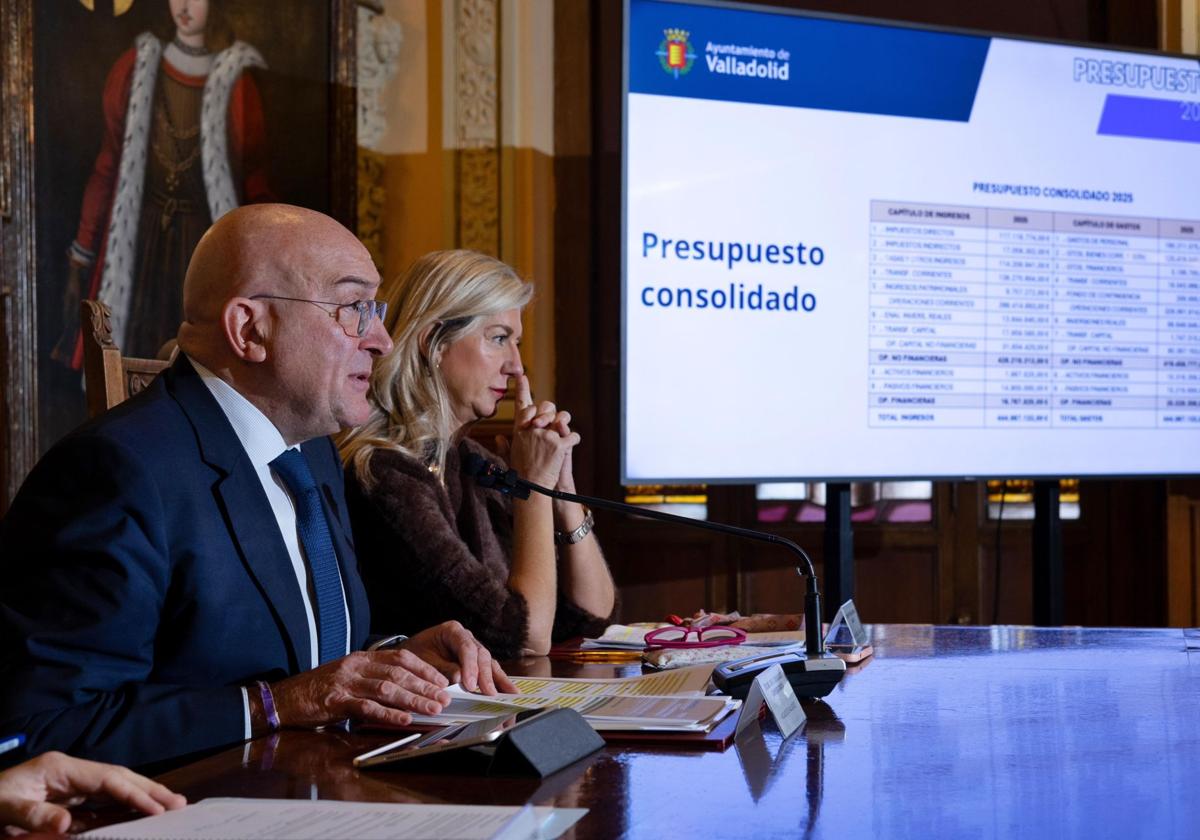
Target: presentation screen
[855,250]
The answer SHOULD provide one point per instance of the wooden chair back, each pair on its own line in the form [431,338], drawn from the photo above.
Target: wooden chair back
[108,377]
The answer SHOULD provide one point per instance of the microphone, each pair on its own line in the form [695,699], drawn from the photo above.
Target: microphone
[821,669]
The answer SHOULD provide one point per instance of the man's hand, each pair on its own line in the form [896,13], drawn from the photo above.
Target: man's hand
[454,650]
[379,687]
[29,792]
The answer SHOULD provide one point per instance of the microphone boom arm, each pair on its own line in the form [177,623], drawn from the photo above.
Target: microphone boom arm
[509,483]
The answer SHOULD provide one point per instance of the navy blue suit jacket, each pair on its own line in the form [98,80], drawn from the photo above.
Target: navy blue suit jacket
[143,580]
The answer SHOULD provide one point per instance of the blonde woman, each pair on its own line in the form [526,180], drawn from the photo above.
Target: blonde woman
[433,545]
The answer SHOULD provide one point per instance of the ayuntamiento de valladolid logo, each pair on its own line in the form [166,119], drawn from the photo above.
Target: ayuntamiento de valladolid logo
[675,52]
[676,56]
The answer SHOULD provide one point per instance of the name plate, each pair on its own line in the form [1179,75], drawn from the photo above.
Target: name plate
[772,688]
[847,623]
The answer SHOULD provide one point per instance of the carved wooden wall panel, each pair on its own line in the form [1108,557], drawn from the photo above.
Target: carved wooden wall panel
[379,39]
[372,201]
[477,126]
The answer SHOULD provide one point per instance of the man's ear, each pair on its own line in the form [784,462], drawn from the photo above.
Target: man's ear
[242,320]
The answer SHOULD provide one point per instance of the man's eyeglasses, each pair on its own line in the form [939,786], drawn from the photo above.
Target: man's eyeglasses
[354,318]
[694,637]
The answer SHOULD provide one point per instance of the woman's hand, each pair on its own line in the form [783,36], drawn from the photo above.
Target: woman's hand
[541,450]
[546,416]
[539,446]
[567,515]
[566,476]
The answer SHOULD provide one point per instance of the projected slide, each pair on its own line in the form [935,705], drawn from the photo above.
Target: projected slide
[864,251]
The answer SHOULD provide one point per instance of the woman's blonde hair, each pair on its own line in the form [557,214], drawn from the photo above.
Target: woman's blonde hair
[441,298]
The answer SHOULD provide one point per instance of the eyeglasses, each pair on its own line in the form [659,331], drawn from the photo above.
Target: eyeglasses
[354,318]
[694,637]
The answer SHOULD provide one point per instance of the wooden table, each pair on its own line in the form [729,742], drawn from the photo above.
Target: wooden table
[969,732]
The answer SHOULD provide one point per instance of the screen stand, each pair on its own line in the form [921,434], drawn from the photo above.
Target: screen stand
[1047,556]
[839,545]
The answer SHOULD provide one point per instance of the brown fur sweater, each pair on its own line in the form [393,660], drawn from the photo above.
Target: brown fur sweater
[430,554]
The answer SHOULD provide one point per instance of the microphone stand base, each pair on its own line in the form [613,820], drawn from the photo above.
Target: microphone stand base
[815,677]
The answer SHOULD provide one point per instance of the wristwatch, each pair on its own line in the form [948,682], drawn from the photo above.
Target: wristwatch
[388,642]
[572,537]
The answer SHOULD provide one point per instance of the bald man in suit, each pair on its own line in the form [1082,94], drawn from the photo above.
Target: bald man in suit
[178,574]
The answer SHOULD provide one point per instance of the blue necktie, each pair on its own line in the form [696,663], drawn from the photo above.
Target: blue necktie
[318,546]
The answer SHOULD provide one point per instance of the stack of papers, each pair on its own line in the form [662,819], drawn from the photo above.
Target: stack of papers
[620,637]
[669,702]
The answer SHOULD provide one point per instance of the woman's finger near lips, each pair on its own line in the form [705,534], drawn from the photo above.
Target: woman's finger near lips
[524,398]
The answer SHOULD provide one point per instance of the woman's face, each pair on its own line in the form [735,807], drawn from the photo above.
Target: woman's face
[190,16]
[477,367]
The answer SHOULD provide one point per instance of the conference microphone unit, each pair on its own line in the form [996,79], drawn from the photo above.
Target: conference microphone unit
[813,675]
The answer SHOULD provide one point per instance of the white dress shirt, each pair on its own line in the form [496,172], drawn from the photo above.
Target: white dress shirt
[263,444]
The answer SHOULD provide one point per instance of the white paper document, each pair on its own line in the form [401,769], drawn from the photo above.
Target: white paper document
[621,637]
[274,819]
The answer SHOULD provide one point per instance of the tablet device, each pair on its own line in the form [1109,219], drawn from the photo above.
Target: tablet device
[454,737]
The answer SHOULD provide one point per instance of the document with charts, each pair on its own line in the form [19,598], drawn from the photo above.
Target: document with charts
[670,701]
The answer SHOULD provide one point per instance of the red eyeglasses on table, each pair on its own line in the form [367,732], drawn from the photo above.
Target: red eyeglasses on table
[694,637]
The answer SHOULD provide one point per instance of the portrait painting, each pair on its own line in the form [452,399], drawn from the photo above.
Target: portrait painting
[153,118]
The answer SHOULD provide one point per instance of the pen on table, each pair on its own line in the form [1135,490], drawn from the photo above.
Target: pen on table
[385,748]
[11,742]
[604,656]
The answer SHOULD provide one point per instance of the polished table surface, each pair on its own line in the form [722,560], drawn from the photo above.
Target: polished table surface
[971,732]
